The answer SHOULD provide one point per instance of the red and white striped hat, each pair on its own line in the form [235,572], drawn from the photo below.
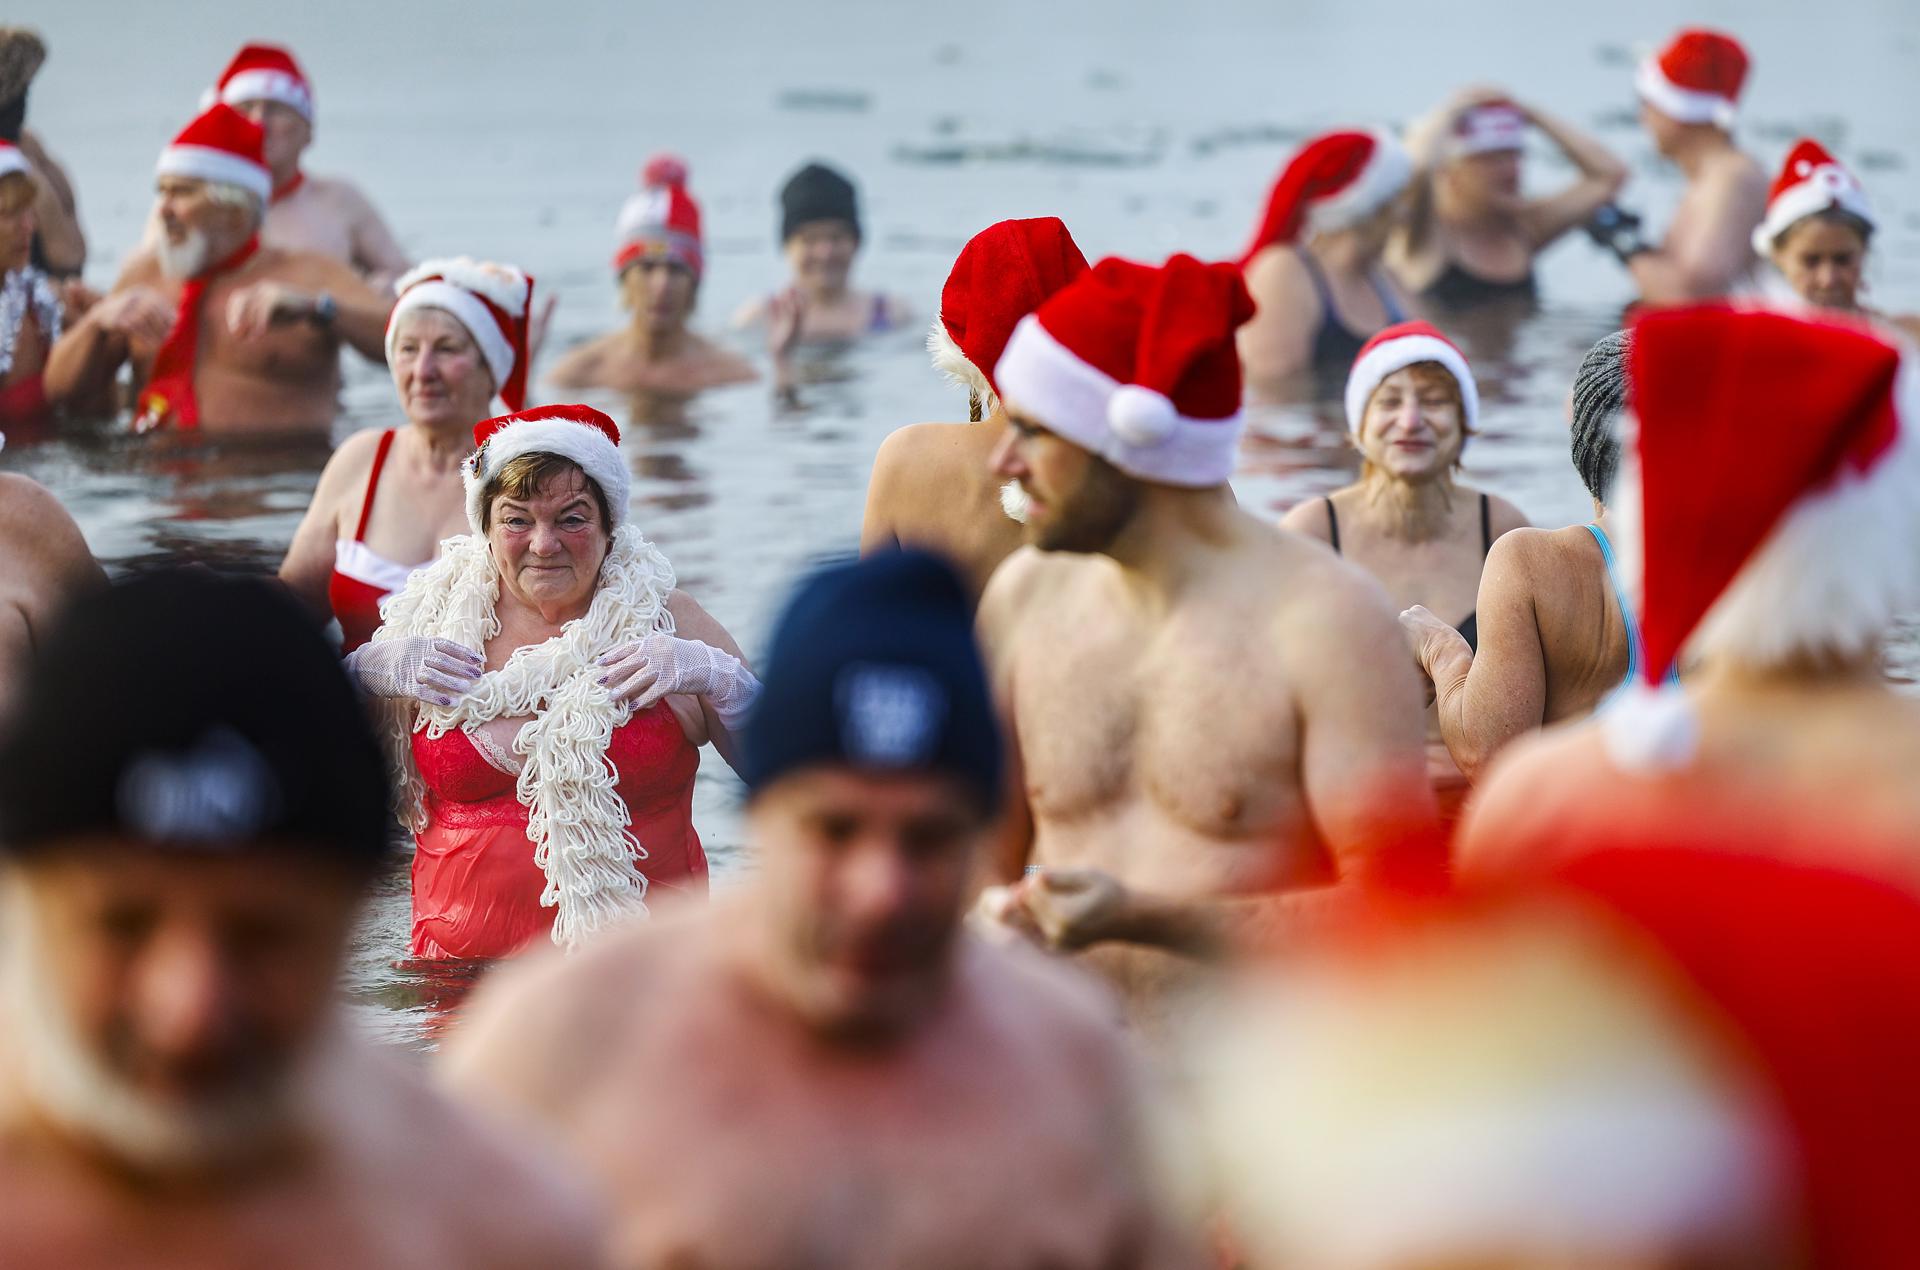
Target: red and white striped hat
[494,302]
[263,72]
[661,220]
[222,146]
[580,433]
[1696,79]
[1811,180]
[1398,347]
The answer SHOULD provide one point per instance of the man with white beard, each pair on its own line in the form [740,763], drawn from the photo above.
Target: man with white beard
[192,808]
[224,333]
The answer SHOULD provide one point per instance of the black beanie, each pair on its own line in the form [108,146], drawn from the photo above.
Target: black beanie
[1599,395]
[874,666]
[817,192]
[196,712]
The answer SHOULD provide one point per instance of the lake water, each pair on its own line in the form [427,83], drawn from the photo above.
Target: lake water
[514,132]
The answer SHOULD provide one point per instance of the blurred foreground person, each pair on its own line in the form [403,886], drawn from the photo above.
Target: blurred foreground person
[1776,579]
[1557,634]
[1818,227]
[1314,264]
[1656,1058]
[854,1080]
[59,246]
[44,566]
[820,234]
[1689,97]
[33,310]
[658,265]
[224,333]
[326,215]
[1471,233]
[1208,712]
[932,485]
[181,867]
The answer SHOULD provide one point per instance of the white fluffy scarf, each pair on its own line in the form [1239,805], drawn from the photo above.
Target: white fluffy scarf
[576,821]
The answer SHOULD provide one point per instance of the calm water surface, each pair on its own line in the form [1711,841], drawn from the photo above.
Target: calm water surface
[513,133]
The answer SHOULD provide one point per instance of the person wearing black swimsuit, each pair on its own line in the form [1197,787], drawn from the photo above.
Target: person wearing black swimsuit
[1470,235]
[1411,404]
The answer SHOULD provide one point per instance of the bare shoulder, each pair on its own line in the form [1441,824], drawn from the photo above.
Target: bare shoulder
[38,536]
[927,453]
[1309,518]
[1022,579]
[28,507]
[1515,801]
[1505,516]
[339,192]
[691,621]
[1278,271]
[142,269]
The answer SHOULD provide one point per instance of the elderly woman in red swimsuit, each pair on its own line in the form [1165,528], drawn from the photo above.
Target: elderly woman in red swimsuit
[546,689]
[388,498]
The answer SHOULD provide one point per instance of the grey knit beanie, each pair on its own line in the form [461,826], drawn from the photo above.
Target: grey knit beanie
[1599,395]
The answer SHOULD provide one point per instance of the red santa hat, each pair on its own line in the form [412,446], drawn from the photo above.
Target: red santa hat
[1810,181]
[1138,364]
[661,220]
[1696,78]
[1486,128]
[579,433]
[1398,347]
[494,302]
[1766,504]
[263,72]
[222,146]
[12,161]
[1003,273]
[1335,182]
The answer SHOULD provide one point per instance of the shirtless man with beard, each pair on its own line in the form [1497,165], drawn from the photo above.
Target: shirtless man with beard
[192,810]
[1208,712]
[931,486]
[224,333]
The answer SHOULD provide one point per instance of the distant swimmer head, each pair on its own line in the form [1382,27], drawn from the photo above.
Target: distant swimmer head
[1599,398]
[1003,273]
[1337,182]
[659,254]
[1818,226]
[819,227]
[1694,81]
[1411,402]
[1483,150]
[265,83]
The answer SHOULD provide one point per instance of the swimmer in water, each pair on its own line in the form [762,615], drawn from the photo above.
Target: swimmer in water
[34,308]
[1411,406]
[1210,714]
[1689,98]
[1471,234]
[225,333]
[982,1097]
[1314,266]
[1778,589]
[658,263]
[193,814]
[1818,227]
[389,497]
[820,233]
[931,486]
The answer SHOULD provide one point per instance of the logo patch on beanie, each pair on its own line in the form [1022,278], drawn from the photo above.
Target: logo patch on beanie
[221,790]
[890,716]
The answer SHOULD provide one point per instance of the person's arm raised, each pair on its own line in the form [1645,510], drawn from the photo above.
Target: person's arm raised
[1601,176]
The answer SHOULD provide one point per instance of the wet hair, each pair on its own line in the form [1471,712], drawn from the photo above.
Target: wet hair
[524,476]
[1600,393]
[1839,217]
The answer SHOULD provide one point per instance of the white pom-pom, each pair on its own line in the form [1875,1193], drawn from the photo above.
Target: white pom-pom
[1651,729]
[1013,501]
[1141,416]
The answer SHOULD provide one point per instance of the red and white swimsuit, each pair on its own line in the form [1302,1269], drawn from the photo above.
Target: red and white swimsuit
[363,577]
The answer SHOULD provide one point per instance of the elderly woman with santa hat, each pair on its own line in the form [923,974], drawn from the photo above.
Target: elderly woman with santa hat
[457,339]
[1314,264]
[1818,226]
[546,691]
[658,262]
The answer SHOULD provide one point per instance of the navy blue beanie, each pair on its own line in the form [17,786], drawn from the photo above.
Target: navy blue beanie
[874,666]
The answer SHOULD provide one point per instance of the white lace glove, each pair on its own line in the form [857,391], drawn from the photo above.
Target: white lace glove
[660,666]
[431,670]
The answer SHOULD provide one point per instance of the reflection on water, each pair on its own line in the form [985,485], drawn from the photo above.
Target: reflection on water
[1142,151]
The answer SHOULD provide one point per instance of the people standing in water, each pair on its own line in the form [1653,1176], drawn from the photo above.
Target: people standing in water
[224,333]
[1411,406]
[1689,99]
[388,497]
[1314,266]
[547,688]
[33,307]
[979,1102]
[1209,714]
[326,215]
[59,244]
[1471,233]
[44,566]
[192,816]
[1556,633]
[1778,589]
[1816,232]
[931,485]
[820,233]
[658,264]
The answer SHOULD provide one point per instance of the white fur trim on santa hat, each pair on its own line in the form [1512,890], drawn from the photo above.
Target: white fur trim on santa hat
[1828,185]
[1068,397]
[583,443]
[421,288]
[951,362]
[1682,105]
[1380,181]
[204,163]
[269,85]
[1396,355]
[11,161]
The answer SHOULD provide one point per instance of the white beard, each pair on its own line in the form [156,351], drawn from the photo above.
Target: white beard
[183,260]
[69,1085]
[1014,502]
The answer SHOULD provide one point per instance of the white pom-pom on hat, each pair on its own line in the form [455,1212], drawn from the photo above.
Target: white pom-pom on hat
[1651,729]
[1140,416]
